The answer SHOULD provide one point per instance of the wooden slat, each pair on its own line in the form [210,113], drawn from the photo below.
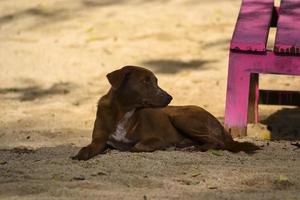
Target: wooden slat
[253,24]
[288,28]
[274,97]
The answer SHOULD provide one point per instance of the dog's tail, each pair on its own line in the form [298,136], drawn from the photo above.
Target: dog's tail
[235,147]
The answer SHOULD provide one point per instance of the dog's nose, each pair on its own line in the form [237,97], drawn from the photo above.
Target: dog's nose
[164,96]
[169,97]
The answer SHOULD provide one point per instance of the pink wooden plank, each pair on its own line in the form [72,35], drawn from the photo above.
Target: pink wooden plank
[238,83]
[268,63]
[288,28]
[252,27]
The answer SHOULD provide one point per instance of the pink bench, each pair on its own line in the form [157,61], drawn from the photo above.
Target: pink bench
[249,57]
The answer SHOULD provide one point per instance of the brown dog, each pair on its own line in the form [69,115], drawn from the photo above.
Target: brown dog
[134,116]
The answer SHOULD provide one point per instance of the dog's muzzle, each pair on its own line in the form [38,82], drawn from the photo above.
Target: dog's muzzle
[164,97]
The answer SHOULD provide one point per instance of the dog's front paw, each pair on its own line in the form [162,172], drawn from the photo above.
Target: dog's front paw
[83,154]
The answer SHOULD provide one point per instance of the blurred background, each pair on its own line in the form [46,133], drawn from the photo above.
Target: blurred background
[54,55]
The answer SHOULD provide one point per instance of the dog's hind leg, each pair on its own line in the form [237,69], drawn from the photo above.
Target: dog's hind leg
[148,145]
[200,126]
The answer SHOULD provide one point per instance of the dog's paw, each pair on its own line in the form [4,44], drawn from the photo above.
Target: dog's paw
[83,154]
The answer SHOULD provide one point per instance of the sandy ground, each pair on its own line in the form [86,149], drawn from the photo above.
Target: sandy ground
[54,55]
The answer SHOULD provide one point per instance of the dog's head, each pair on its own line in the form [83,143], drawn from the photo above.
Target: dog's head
[136,87]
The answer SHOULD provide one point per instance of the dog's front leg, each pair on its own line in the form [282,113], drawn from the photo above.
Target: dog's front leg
[98,144]
[96,147]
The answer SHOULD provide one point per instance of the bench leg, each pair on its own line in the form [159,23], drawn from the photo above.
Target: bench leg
[237,97]
[253,99]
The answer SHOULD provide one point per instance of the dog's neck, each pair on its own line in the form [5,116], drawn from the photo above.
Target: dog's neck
[110,101]
[119,117]
[121,128]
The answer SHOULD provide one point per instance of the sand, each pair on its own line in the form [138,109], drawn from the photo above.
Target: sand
[54,55]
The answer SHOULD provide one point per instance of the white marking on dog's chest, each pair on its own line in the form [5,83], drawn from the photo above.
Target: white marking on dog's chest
[121,129]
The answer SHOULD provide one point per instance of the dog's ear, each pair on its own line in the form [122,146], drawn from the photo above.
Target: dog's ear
[117,77]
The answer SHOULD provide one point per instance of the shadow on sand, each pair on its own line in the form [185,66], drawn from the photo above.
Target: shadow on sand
[168,66]
[284,124]
[36,92]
